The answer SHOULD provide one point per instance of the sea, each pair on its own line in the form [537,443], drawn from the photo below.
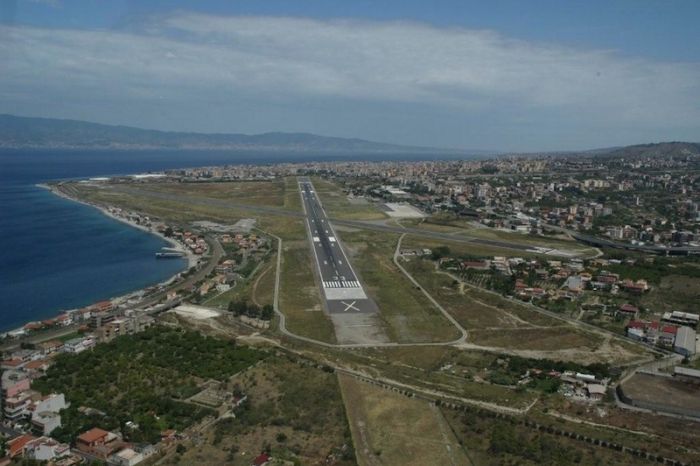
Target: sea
[56,254]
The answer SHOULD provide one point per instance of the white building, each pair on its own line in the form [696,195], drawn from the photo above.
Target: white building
[685,341]
[127,457]
[45,417]
[45,449]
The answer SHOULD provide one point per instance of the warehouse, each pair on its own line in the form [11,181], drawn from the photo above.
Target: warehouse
[685,341]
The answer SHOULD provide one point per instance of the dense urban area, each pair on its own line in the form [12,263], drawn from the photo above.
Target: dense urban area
[522,309]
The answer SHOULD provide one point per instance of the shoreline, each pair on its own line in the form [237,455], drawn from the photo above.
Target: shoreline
[191,259]
[189,256]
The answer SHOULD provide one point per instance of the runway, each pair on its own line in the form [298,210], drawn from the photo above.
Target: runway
[341,288]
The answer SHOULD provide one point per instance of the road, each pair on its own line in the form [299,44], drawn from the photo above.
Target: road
[340,285]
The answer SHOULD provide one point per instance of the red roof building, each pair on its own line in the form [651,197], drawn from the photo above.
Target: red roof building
[16,445]
[261,460]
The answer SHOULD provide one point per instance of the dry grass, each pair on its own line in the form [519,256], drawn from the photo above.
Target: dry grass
[540,339]
[300,297]
[409,316]
[337,205]
[390,429]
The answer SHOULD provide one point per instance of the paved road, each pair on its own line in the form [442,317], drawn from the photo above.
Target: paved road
[340,285]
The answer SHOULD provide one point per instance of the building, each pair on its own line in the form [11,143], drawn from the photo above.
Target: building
[15,397]
[595,391]
[681,318]
[99,319]
[686,375]
[51,346]
[45,449]
[628,311]
[45,422]
[77,345]
[15,447]
[115,328]
[98,442]
[685,343]
[44,413]
[126,457]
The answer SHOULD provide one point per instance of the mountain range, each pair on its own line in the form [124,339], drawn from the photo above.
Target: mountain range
[47,133]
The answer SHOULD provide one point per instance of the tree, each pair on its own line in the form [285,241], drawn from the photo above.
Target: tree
[440,252]
[267,312]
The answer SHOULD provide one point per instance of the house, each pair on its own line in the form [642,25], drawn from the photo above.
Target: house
[45,422]
[45,449]
[15,447]
[45,417]
[595,391]
[14,363]
[638,287]
[574,284]
[667,335]
[628,311]
[77,345]
[99,443]
[168,436]
[49,347]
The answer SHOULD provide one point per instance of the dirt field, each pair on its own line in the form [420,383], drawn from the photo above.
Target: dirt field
[662,390]
[390,429]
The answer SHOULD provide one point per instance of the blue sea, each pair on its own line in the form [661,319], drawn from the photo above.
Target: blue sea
[56,254]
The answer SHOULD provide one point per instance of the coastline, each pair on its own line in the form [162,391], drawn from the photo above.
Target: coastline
[189,256]
[192,259]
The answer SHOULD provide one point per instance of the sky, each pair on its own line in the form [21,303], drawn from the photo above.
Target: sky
[503,75]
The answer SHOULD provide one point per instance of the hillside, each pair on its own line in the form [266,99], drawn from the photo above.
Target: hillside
[24,132]
[661,149]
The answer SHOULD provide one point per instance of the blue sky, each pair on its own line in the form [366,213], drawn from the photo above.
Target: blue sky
[504,75]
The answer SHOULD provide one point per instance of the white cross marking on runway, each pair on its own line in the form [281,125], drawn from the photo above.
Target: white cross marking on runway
[350,306]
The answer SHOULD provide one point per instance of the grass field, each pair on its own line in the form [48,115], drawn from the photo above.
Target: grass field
[673,293]
[447,224]
[457,372]
[300,296]
[264,193]
[389,429]
[545,339]
[336,203]
[408,314]
[468,249]
[470,312]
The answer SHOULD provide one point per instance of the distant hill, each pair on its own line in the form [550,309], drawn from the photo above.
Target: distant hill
[661,149]
[24,132]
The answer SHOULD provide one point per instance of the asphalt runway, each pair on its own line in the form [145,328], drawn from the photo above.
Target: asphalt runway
[341,287]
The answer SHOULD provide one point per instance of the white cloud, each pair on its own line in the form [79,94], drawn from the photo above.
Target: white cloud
[192,56]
